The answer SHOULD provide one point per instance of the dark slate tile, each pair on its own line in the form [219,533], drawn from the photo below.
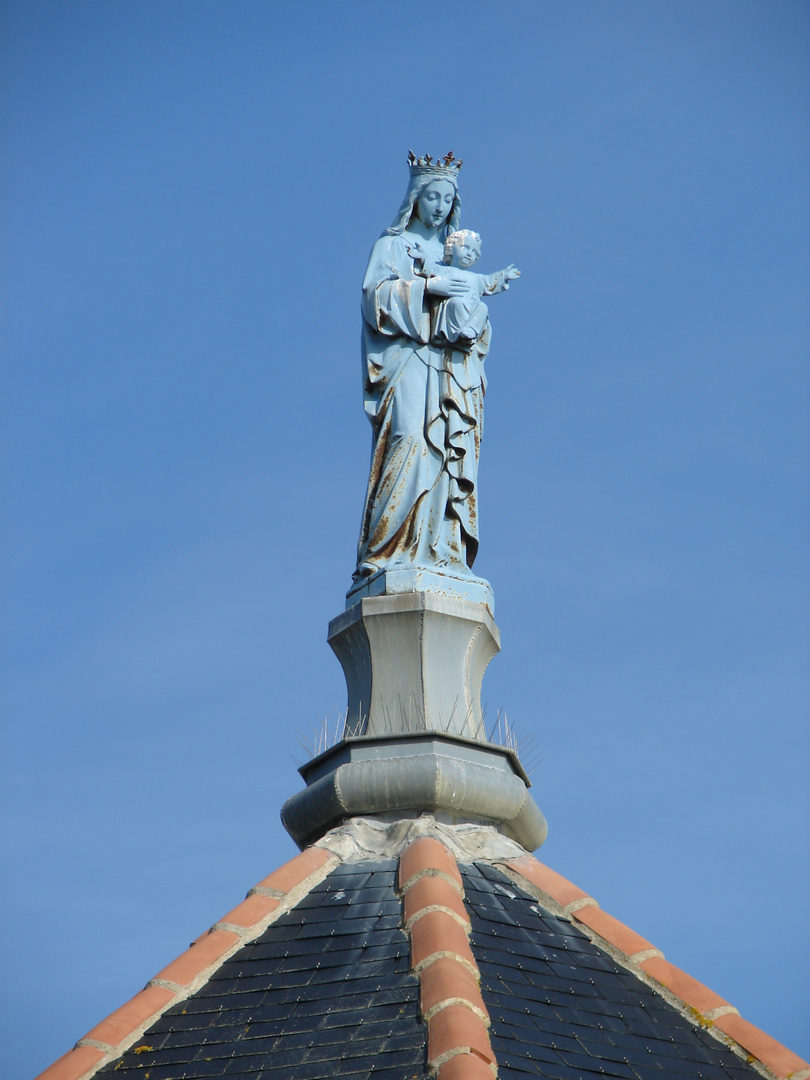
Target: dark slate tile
[525,1064]
[312,1071]
[533,965]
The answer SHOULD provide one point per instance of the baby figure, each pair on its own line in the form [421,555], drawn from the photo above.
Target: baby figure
[462,318]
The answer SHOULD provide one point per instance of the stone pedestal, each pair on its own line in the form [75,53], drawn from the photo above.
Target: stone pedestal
[414,740]
[414,662]
[418,579]
[454,779]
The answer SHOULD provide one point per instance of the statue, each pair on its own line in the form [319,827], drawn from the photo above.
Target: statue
[426,333]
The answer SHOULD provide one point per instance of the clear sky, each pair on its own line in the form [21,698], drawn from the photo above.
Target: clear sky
[190,193]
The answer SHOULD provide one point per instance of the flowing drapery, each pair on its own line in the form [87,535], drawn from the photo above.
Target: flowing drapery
[425,404]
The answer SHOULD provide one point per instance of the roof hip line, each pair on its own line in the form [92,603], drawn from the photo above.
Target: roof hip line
[206,954]
[695,1001]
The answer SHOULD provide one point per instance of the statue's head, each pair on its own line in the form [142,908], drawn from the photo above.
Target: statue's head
[432,195]
[462,248]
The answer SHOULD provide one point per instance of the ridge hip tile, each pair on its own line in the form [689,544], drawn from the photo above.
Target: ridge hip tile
[432,892]
[73,1065]
[457,1028]
[427,854]
[251,911]
[547,880]
[465,1067]
[438,932]
[448,980]
[207,950]
[121,1023]
[613,931]
[292,873]
[773,1054]
[689,990]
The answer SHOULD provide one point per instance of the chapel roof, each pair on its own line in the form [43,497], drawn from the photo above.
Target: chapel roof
[432,954]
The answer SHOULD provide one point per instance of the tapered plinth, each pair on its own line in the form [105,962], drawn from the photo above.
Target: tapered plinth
[414,739]
[414,662]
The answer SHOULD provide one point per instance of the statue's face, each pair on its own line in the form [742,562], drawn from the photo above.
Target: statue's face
[435,203]
[467,252]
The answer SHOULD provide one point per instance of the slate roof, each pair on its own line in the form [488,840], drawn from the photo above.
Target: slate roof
[403,968]
[560,1007]
[325,991]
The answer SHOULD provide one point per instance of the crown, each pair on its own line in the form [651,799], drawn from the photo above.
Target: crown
[441,167]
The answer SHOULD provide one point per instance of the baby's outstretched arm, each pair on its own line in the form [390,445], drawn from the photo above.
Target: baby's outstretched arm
[499,281]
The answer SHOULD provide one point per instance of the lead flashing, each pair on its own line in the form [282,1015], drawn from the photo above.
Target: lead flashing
[477,783]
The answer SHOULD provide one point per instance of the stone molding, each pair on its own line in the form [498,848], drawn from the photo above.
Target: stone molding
[461,779]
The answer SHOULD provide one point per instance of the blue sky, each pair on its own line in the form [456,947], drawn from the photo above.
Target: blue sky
[191,192]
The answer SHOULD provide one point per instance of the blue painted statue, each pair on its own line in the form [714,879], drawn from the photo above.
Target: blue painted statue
[426,333]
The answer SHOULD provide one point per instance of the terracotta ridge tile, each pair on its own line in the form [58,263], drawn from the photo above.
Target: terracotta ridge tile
[450,1002]
[252,910]
[431,872]
[438,932]
[684,986]
[417,915]
[427,853]
[444,954]
[432,892]
[133,1015]
[463,1066]
[197,959]
[449,982]
[616,933]
[465,1003]
[77,1063]
[701,1004]
[115,1034]
[773,1055]
[457,1030]
[554,885]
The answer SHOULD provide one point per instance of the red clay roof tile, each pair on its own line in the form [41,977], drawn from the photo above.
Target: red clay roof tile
[428,892]
[547,880]
[771,1053]
[251,911]
[427,854]
[465,1067]
[438,932]
[447,980]
[130,1016]
[294,872]
[456,1027]
[185,969]
[689,990]
[619,935]
[74,1064]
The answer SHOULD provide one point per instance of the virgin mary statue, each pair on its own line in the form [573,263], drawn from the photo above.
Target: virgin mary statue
[424,398]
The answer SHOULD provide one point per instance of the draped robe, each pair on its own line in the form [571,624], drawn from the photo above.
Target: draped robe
[425,403]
